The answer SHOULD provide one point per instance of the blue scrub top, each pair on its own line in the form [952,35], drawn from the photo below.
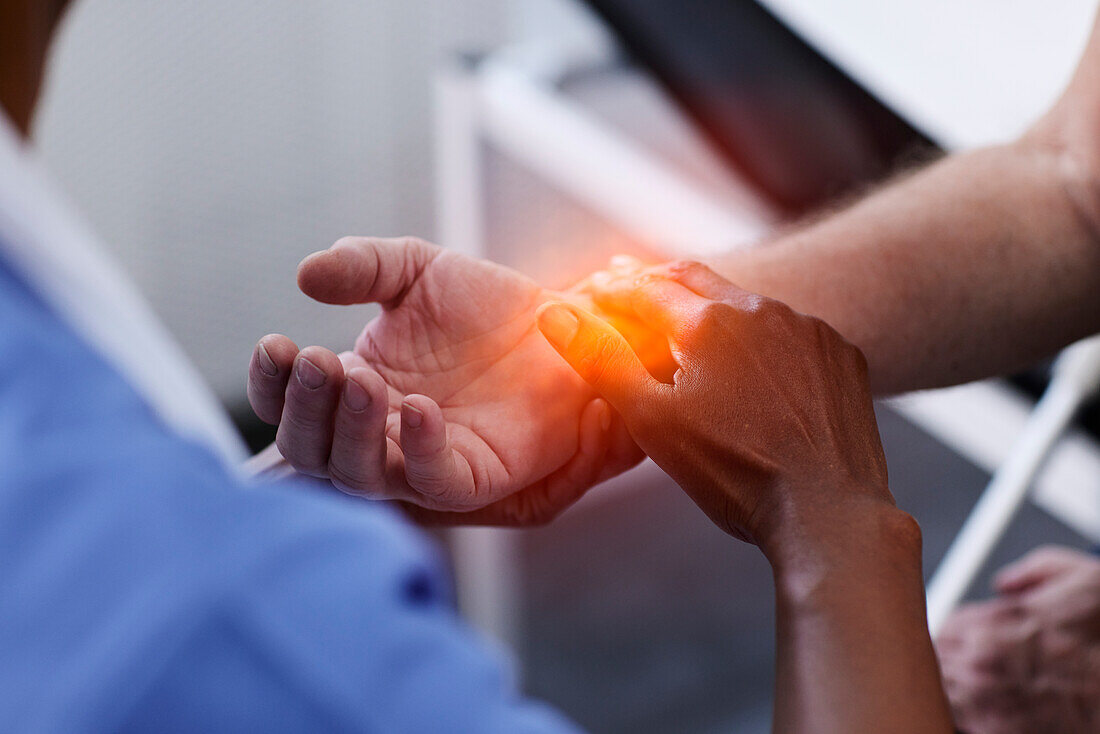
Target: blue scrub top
[143,588]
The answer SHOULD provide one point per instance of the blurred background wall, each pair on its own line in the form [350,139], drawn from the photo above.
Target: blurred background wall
[213,144]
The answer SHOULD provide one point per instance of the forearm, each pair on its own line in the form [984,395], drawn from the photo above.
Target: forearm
[854,652]
[979,264]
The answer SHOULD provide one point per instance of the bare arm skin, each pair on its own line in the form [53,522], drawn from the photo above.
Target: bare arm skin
[981,263]
[26,29]
[768,426]
[853,652]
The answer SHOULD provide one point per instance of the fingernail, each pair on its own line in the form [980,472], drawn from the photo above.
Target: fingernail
[413,416]
[355,397]
[605,418]
[558,324]
[309,374]
[267,364]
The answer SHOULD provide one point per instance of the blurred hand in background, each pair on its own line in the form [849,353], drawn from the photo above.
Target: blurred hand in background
[1028,660]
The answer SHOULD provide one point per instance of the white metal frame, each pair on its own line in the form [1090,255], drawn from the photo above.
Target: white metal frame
[512,102]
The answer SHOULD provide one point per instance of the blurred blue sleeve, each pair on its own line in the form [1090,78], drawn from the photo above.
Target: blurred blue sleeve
[147,590]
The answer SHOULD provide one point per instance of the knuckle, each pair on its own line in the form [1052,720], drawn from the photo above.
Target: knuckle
[413,241]
[771,312]
[307,416]
[351,432]
[419,244]
[425,450]
[647,284]
[765,315]
[713,318]
[301,459]
[753,304]
[352,481]
[434,469]
[685,267]
[715,313]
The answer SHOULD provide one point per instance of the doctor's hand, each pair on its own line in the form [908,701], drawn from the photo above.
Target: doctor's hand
[451,400]
[767,424]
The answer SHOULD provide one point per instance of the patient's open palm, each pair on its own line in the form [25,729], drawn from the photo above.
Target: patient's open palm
[477,405]
[463,334]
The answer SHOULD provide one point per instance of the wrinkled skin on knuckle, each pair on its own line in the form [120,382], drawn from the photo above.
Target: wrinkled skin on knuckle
[713,325]
[678,268]
[421,247]
[778,320]
[347,481]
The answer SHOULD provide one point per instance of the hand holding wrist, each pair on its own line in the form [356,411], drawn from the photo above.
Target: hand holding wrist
[764,401]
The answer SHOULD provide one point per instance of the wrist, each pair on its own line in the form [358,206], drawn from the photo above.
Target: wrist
[864,539]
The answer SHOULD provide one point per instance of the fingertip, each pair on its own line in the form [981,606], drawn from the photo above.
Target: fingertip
[371,382]
[312,397]
[604,414]
[351,360]
[595,425]
[313,275]
[268,372]
[357,462]
[432,468]
[418,412]
[341,275]
[558,323]
[317,367]
[276,353]
[412,416]
[596,351]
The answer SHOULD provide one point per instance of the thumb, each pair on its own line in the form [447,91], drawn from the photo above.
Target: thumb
[365,270]
[599,354]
